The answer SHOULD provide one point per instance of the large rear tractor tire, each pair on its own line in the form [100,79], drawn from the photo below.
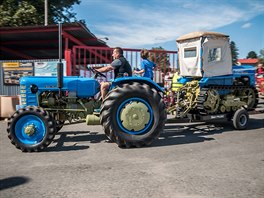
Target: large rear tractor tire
[31,129]
[133,115]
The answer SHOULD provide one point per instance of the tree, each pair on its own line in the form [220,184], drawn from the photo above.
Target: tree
[261,53]
[261,56]
[252,54]
[234,52]
[31,12]
[161,58]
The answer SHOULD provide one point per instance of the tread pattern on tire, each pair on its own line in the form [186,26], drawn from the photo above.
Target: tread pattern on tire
[50,126]
[236,117]
[121,91]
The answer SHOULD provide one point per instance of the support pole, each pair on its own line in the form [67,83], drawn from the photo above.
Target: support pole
[46,12]
[60,64]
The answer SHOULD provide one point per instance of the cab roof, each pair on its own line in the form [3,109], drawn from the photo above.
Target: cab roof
[199,34]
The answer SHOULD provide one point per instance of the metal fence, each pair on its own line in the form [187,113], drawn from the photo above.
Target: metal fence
[84,56]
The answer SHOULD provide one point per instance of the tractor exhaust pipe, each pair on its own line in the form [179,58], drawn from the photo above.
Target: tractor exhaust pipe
[60,64]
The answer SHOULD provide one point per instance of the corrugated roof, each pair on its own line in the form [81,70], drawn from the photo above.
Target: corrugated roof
[41,42]
[248,61]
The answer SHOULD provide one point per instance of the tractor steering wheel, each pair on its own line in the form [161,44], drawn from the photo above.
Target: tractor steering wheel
[97,73]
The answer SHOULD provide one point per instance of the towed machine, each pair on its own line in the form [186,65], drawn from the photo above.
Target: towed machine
[210,87]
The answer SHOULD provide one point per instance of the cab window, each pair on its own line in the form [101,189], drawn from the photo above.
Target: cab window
[214,54]
[190,52]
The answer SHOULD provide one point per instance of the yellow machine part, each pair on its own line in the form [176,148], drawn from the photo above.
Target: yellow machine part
[175,86]
[92,120]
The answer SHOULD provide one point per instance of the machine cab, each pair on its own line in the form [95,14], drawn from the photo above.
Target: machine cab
[204,54]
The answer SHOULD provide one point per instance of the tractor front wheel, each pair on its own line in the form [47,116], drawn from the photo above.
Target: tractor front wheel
[31,129]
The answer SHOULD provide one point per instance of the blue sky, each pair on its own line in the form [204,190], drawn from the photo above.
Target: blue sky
[154,23]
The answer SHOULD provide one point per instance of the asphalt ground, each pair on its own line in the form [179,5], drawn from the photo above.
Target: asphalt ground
[189,160]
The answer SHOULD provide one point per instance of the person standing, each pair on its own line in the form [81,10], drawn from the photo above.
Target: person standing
[146,65]
[120,66]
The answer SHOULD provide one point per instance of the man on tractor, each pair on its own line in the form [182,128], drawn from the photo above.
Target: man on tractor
[120,66]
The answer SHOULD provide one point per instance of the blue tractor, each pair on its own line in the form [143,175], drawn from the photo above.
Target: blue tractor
[132,115]
[209,86]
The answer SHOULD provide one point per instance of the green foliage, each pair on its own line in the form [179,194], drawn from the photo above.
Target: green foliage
[25,15]
[252,54]
[234,52]
[261,53]
[31,12]
[261,56]
[161,58]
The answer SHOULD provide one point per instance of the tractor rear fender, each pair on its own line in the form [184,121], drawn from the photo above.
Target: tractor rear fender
[148,81]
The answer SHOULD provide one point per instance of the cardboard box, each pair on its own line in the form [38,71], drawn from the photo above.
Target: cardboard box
[0,107]
[8,105]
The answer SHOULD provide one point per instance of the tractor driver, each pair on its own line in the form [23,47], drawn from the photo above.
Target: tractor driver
[120,66]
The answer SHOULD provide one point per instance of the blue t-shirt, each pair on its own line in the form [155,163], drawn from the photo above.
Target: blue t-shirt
[148,66]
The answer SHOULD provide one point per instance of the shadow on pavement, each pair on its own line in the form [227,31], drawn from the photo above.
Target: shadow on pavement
[74,138]
[198,132]
[12,182]
[174,134]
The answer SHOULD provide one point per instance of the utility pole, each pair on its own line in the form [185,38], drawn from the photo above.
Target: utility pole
[46,12]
